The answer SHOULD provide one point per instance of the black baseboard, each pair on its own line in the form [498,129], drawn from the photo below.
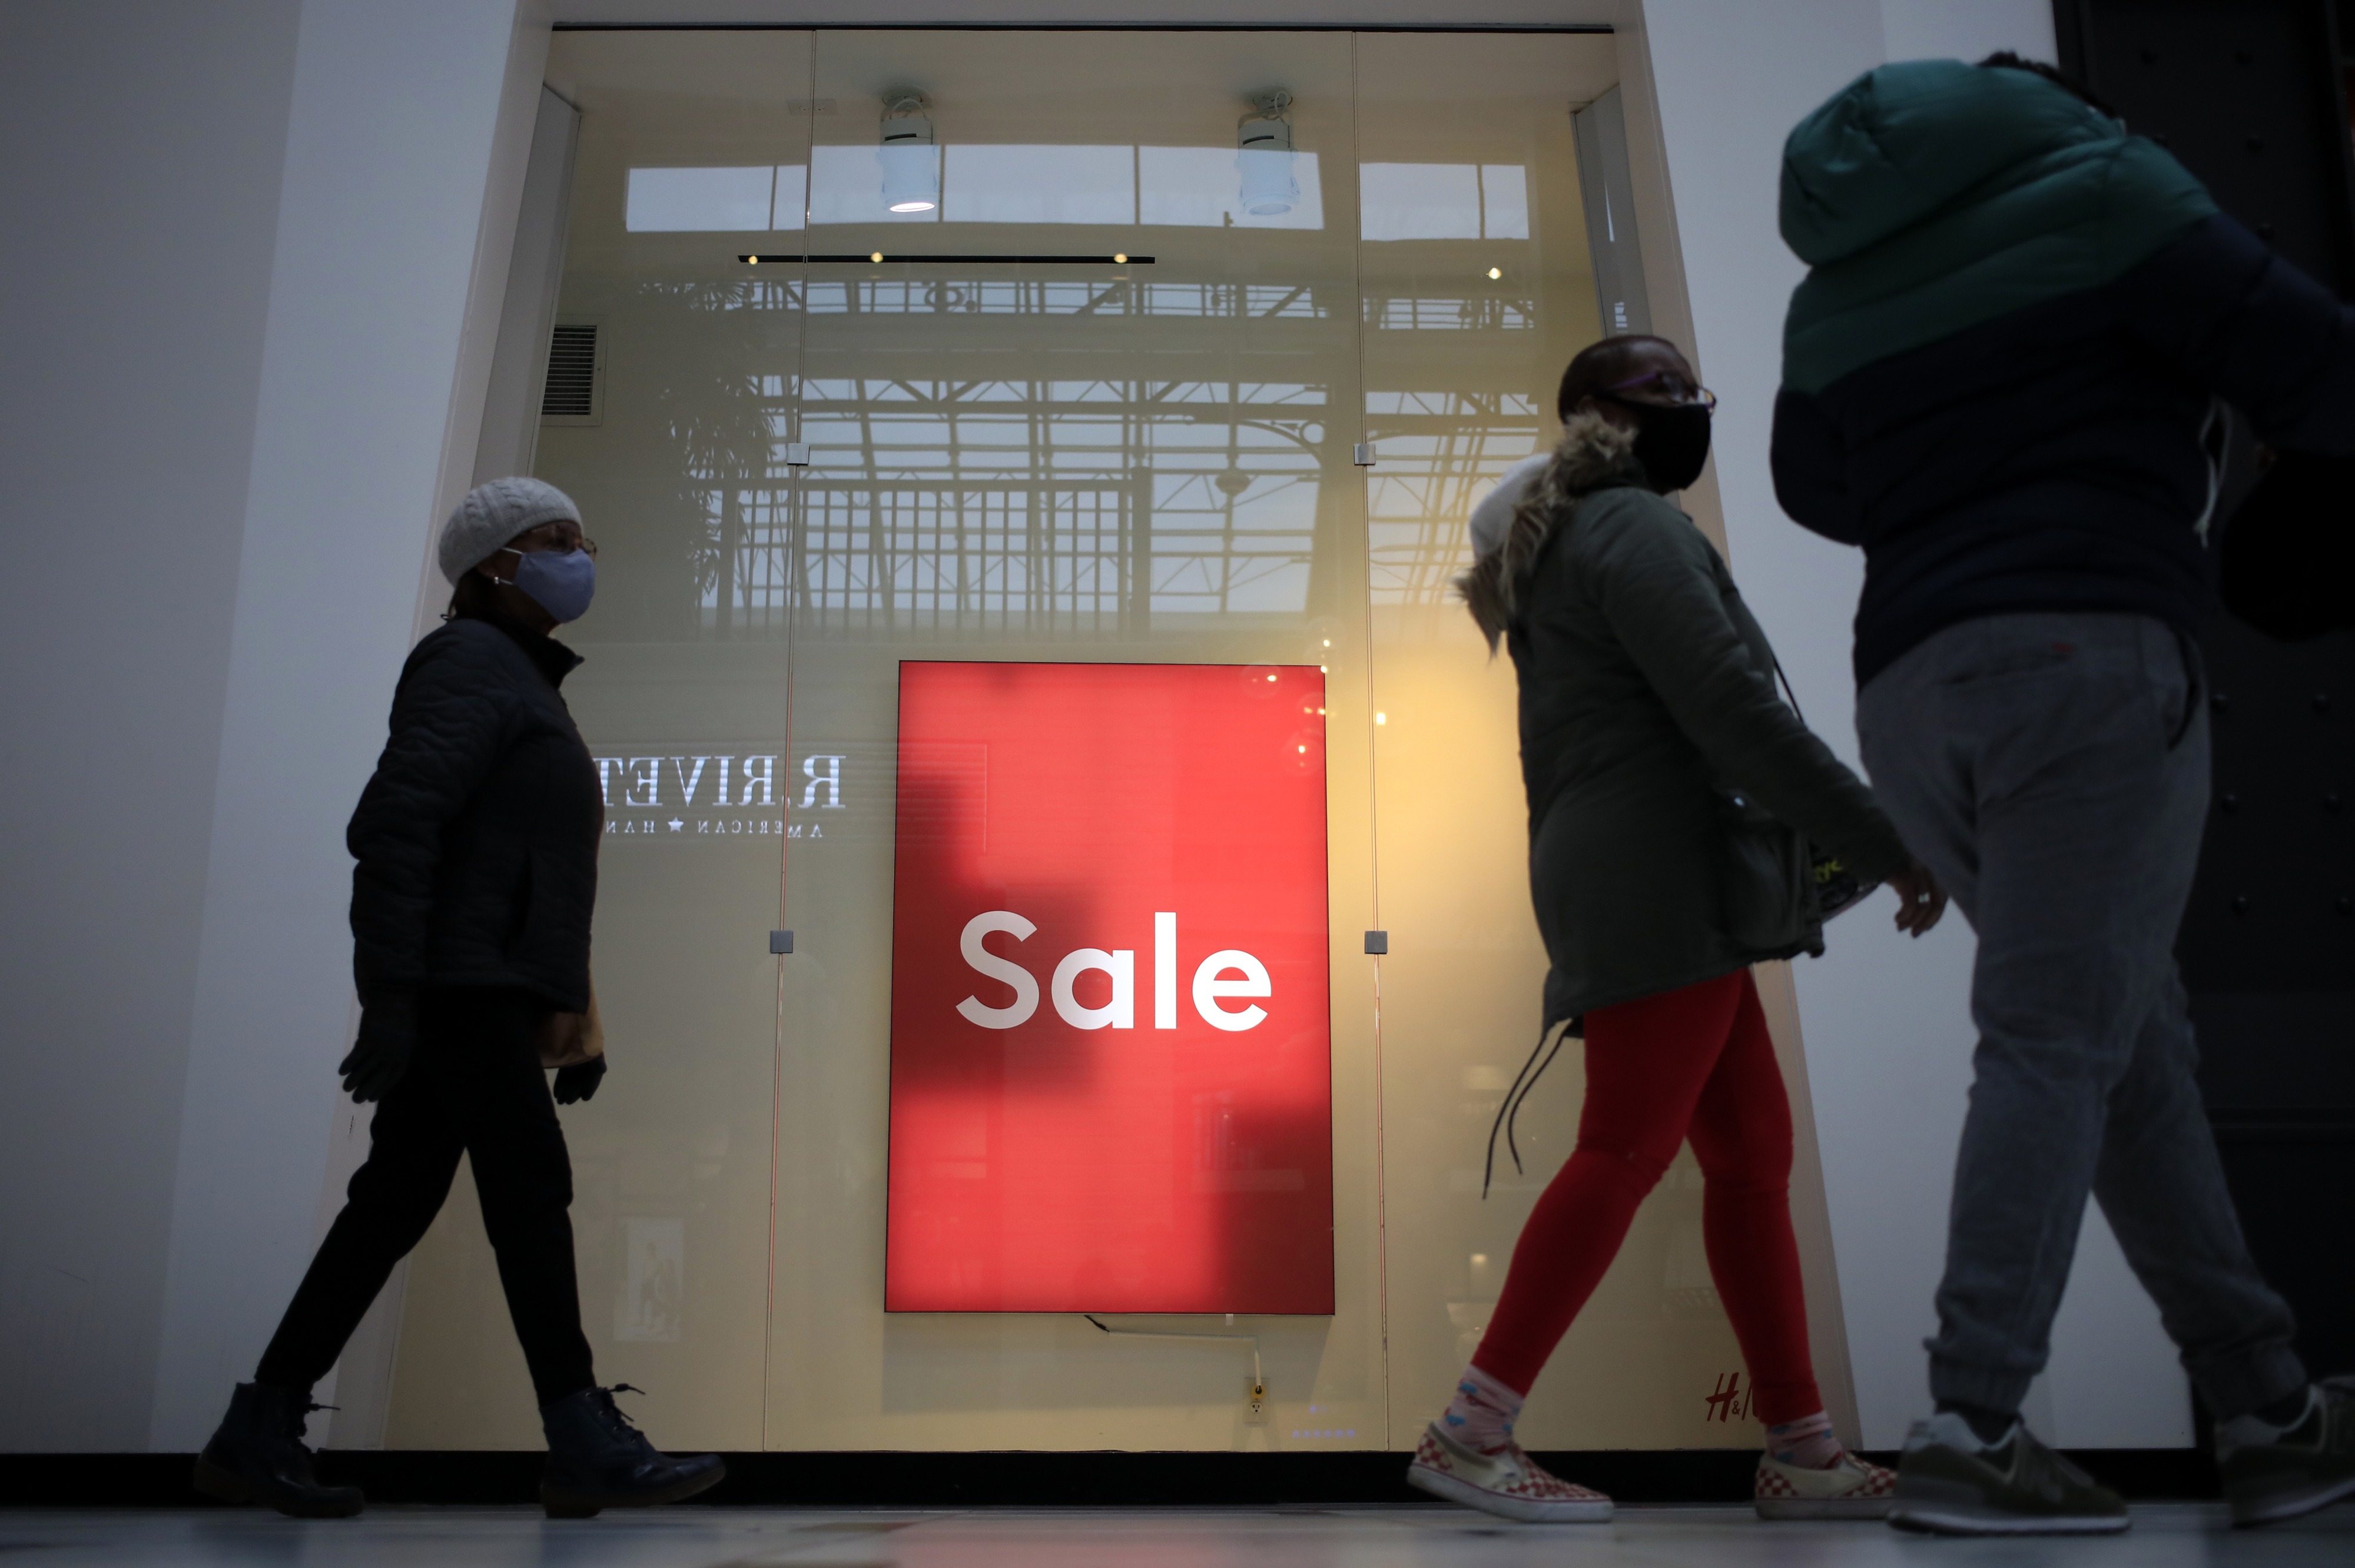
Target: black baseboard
[1020,1479]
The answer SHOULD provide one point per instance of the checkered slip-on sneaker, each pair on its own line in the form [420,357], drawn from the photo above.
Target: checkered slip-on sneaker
[1507,1484]
[1849,1489]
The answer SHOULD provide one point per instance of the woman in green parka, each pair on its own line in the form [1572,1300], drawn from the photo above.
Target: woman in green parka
[1673,797]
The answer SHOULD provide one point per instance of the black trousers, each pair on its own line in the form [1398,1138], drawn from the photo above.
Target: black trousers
[475,1087]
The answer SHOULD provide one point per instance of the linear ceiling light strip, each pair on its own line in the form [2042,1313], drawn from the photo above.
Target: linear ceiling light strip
[874,258]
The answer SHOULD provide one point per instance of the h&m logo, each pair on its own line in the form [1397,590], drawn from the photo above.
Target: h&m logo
[1210,988]
[1730,1401]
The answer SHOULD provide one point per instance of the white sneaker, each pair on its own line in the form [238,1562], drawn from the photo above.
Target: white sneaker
[1507,1484]
[1849,1489]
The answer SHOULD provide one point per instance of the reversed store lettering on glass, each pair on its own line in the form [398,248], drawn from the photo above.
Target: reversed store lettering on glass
[680,792]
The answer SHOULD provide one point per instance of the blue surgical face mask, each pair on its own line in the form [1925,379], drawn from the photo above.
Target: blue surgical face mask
[560,582]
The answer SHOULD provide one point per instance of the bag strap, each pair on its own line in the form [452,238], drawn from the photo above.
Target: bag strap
[1789,696]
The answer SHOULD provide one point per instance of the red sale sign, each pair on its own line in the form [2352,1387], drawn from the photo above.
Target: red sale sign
[1111,1045]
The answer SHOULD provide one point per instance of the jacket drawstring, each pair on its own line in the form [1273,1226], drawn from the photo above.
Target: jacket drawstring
[1523,1082]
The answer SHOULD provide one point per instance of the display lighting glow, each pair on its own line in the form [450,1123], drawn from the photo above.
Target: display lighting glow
[1495,272]
[908,172]
[909,158]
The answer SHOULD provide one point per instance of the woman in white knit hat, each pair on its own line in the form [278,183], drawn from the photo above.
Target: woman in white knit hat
[476,848]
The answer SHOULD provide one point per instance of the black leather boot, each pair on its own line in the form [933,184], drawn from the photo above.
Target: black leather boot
[596,1459]
[258,1456]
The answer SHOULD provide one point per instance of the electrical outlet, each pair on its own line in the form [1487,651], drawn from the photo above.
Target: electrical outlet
[1255,1405]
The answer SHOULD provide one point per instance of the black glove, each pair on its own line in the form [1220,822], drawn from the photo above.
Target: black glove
[578,1082]
[379,1057]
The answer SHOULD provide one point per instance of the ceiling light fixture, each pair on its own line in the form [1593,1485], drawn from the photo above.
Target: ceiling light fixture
[1495,272]
[1264,156]
[910,157]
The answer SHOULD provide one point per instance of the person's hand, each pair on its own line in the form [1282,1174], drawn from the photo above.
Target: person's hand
[1920,899]
[578,1082]
[379,1058]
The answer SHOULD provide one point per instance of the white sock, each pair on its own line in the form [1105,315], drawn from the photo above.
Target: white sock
[1807,1442]
[1949,1428]
[2253,1431]
[1481,1415]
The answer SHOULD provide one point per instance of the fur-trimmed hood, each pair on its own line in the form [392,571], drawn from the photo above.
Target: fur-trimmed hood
[1593,453]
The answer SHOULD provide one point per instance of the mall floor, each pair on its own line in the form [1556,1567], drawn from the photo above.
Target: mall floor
[1665,1537]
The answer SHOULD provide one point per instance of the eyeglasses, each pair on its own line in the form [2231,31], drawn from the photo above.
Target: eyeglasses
[558,544]
[1671,387]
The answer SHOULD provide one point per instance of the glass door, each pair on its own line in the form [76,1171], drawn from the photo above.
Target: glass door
[693,151]
[1092,407]
[1479,289]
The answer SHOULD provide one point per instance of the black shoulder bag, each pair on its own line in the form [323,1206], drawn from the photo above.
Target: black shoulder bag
[1755,834]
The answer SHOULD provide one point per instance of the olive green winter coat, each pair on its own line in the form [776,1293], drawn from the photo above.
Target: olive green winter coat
[1669,785]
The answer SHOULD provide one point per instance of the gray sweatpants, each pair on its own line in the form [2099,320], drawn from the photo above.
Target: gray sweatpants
[2051,770]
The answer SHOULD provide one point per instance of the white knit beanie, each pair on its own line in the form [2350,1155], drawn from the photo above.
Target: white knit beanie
[493,514]
[1493,518]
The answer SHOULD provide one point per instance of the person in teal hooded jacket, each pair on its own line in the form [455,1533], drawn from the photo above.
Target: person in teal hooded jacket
[2022,337]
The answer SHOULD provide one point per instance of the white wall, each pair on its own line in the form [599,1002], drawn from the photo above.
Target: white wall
[1886,1020]
[138,199]
[239,246]
[369,375]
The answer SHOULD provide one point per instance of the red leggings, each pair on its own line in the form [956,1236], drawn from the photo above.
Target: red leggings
[1692,1064]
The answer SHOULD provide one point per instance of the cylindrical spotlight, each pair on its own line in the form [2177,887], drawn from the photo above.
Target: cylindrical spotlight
[910,157]
[1263,157]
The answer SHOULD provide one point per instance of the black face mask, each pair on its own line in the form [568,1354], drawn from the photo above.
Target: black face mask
[1672,443]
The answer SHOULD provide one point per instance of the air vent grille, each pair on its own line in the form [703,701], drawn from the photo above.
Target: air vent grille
[572,374]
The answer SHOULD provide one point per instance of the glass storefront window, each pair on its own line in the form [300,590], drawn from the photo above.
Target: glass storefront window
[1052,385]
[683,700]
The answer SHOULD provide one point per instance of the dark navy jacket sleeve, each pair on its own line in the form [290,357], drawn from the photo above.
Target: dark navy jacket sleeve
[450,715]
[1811,470]
[2251,329]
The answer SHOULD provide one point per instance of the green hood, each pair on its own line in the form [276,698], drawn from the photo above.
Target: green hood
[1931,195]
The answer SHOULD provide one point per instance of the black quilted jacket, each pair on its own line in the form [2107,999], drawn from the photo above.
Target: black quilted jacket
[2051,459]
[477,837]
